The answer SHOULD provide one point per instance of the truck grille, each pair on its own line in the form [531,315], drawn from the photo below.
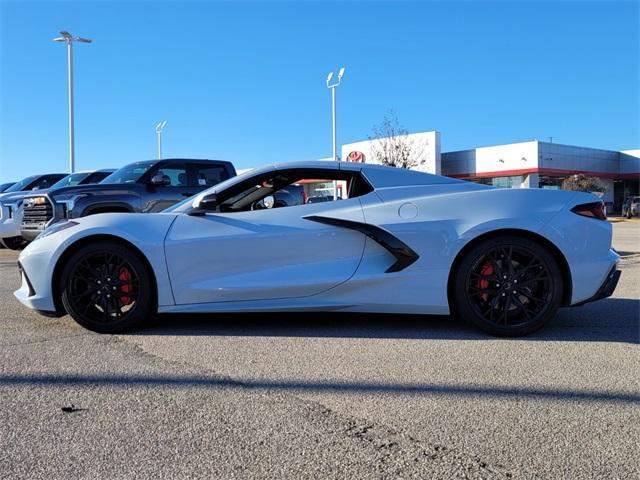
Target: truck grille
[35,217]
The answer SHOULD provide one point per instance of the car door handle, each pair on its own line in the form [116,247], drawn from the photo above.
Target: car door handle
[187,194]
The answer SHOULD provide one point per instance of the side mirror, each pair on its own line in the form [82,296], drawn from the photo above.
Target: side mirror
[208,202]
[160,180]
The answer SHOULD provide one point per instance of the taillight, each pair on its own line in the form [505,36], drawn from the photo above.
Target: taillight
[593,210]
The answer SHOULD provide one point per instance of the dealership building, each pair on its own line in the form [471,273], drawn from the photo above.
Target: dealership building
[532,164]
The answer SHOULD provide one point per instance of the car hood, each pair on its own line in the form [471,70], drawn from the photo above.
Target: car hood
[88,189]
[13,197]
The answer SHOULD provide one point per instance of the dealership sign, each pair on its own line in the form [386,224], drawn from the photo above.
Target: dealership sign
[355,156]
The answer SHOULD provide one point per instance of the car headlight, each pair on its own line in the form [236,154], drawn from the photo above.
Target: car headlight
[33,201]
[55,228]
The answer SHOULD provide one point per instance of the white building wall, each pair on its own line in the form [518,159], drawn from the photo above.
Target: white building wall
[499,158]
[426,144]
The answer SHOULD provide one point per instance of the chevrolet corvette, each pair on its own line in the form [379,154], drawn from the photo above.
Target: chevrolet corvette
[385,240]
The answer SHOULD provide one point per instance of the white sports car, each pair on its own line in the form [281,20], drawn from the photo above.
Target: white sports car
[384,240]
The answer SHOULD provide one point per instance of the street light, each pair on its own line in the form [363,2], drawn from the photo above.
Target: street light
[332,87]
[159,128]
[69,39]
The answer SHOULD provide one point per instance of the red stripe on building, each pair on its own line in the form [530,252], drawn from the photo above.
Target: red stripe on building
[544,171]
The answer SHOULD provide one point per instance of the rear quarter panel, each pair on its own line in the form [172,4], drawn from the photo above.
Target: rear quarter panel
[437,222]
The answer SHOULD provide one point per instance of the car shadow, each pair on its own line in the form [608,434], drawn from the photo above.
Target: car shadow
[609,320]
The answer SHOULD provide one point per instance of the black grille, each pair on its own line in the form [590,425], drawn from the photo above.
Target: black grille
[36,216]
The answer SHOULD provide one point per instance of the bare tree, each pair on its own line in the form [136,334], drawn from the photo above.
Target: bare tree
[583,183]
[393,146]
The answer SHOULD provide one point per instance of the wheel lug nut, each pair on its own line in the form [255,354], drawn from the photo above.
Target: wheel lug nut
[497,284]
[504,276]
[114,288]
[503,294]
[514,292]
[108,296]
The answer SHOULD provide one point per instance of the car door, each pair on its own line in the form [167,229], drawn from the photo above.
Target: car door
[262,254]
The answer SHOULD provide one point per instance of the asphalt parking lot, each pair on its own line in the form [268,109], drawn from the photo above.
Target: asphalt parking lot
[324,396]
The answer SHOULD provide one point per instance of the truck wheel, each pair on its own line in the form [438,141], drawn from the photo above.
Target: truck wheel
[14,243]
[107,288]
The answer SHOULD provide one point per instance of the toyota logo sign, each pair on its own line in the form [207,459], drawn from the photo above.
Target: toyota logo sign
[355,156]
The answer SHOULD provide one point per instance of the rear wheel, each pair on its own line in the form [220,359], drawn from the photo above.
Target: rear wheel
[508,286]
[106,288]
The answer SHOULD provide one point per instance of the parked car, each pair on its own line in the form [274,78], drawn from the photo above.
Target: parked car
[630,207]
[4,186]
[148,186]
[11,205]
[400,241]
[34,182]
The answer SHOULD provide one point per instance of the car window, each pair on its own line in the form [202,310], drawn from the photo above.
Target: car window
[21,185]
[129,173]
[70,180]
[207,176]
[292,188]
[96,177]
[46,181]
[177,175]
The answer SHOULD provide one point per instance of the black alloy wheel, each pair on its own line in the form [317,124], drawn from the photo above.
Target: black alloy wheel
[106,288]
[508,286]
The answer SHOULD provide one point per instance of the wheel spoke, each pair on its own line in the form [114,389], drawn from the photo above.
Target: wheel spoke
[516,290]
[96,290]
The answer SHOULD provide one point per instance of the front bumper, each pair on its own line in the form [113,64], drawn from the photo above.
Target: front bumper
[606,289]
[35,268]
[10,222]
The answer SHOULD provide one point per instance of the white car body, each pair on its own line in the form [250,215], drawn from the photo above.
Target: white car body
[11,214]
[281,260]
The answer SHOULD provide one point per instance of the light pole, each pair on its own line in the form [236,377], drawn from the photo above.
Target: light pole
[159,128]
[69,39]
[332,87]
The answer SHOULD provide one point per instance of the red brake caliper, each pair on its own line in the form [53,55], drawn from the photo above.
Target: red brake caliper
[125,276]
[487,269]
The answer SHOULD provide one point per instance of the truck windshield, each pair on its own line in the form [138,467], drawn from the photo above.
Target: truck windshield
[70,180]
[22,184]
[129,173]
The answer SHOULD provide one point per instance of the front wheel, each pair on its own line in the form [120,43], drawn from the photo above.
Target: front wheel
[14,243]
[106,288]
[508,286]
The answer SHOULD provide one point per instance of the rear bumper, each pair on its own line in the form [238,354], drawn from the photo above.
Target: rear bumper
[606,289]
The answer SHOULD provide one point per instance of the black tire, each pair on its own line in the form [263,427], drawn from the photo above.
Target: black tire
[492,271]
[107,288]
[14,243]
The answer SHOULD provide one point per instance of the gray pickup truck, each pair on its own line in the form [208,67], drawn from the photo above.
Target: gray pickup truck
[149,186]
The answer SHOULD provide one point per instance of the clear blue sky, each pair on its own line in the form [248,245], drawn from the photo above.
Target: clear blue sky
[245,81]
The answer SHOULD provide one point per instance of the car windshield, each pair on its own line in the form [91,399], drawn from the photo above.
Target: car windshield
[70,180]
[21,185]
[129,173]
